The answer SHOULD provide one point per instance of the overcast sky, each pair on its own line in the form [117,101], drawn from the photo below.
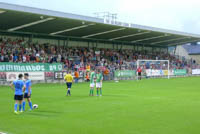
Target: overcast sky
[180,15]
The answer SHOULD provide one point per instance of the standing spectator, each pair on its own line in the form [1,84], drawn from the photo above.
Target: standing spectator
[27,58]
[32,58]
[15,58]
[87,77]
[59,58]
[37,59]
[88,68]
[2,58]
[24,58]
[106,74]
[6,58]
[76,74]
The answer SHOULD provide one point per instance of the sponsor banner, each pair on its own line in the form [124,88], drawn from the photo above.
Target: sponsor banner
[171,72]
[180,71]
[150,72]
[11,76]
[97,53]
[30,67]
[58,75]
[102,68]
[165,72]
[74,58]
[125,73]
[81,69]
[195,71]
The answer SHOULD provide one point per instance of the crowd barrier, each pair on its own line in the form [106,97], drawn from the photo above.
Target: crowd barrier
[53,73]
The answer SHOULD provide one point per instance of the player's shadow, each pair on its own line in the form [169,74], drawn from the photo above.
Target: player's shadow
[44,113]
[107,95]
[79,96]
[115,95]
[47,111]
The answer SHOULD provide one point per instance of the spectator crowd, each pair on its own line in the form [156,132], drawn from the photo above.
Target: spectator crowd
[21,51]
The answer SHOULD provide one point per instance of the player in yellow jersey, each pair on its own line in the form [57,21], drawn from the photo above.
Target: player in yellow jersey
[69,79]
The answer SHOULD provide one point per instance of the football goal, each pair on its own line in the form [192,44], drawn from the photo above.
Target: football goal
[154,68]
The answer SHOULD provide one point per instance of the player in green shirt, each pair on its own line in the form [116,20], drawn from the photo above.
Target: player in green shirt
[92,82]
[99,79]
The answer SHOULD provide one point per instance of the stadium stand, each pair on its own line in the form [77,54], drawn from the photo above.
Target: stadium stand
[101,44]
[21,51]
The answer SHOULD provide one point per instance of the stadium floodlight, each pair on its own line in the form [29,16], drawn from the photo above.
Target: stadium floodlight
[1,11]
[131,35]
[115,30]
[71,29]
[150,38]
[181,38]
[154,68]
[31,24]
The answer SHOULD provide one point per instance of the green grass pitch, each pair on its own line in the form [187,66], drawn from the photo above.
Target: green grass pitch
[152,106]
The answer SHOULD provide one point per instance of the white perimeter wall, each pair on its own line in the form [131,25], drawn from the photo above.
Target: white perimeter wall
[182,52]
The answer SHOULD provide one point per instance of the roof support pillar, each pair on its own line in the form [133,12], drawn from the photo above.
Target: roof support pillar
[175,50]
[143,47]
[96,44]
[67,43]
[64,44]
[93,45]
[58,42]
[88,44]
[30,38]
[121,46]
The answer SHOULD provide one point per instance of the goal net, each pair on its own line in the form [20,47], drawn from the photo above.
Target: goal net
[154,68]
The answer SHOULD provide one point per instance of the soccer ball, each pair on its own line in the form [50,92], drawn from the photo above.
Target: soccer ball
[35,106]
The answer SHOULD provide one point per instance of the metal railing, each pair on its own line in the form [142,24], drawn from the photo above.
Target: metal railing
[49,77]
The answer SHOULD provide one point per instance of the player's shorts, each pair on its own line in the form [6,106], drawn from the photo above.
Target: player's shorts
[18,97]
[139,73]
[99,85]
[69,85]
[26,95]
[92,85]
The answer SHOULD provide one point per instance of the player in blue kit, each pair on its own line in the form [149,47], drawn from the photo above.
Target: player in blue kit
[18,86]
[27,93]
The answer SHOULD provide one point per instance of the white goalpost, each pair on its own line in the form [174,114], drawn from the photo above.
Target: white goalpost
[154,68]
